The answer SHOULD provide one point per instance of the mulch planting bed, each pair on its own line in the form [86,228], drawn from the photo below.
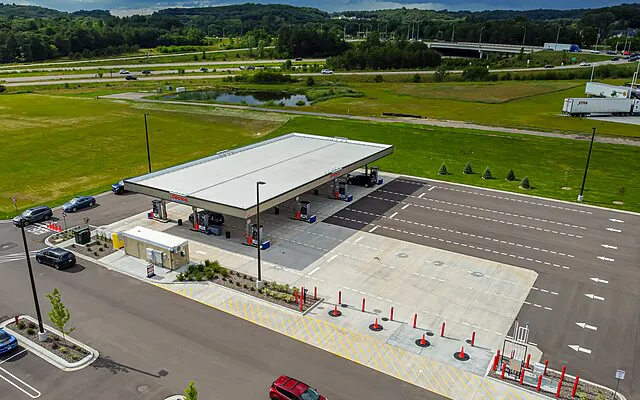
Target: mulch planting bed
[55,344]
[97,249]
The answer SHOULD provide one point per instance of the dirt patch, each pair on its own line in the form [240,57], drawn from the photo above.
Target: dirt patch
[567,188]
[618,202]
[54,344]
[96,249]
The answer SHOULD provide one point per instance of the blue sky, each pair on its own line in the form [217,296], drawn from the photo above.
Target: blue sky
[121,7]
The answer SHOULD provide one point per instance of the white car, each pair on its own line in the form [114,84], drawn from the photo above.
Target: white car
[584,64]
[327,72]
[595,52]
[123,72]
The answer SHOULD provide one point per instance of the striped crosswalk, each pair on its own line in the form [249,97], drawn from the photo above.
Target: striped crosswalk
[5,258]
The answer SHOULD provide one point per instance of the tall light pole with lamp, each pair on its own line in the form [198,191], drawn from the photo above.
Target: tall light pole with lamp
[524,37]
[557,38]
[42,335]
[259,283]
[480,41]
[146,133]
[584,179]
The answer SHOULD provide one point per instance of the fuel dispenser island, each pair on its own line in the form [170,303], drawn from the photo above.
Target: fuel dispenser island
[339,190]
[158,211]
[202,222]
[374,175]
[302,211]
[251,236]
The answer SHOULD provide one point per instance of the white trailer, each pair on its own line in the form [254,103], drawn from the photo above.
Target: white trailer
[573,48]
[601,106]
[597,89]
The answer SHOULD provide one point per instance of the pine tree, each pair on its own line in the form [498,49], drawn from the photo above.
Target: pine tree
[486,174]
[443,169]
[191,393]
[525,184]
[511,176]
[467,169]
[59,314]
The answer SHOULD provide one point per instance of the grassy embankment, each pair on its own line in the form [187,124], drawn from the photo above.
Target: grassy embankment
[87,144]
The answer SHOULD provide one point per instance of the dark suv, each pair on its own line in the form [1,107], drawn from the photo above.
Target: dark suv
[56,257]
[210,217]
[33,215]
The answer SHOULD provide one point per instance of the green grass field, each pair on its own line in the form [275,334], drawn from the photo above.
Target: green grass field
[56,147]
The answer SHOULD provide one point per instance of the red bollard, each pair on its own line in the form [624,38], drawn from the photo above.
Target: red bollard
[17,318]
[522,376]
[575,386]
[340,297]
[363,305]
[564,369]
[415,320]
[295,294]
[301,302]
[504,368]
[442,330]
[526,365]
[391,319]
[497,360]
[315,293]
[546,364]
[559,388]
[539,383]
[513,353]
[494,366]
[473,338]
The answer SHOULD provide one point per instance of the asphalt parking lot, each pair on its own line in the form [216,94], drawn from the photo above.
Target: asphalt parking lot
[24,375]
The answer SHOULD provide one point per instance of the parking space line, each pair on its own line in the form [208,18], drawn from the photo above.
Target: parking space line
[35,393]
[13,356]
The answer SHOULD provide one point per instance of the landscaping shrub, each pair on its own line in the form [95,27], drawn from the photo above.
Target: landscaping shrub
[417,78]
[180,277]
[443,170]
[300,103]
[252,289]
[486,174]
[32,325]
[54,346]
[378,79]
[31,331]
[64,350]
[21,325]
[467,169]
[525,184]
[209,274]
[310,81]
[245,286]
[74,357]
[511,176]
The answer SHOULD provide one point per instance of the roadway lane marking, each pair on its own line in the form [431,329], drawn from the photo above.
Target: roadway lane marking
[405,206]
[578,348]
[373,229]
[593,296]
[21,386]
[430,189]
[603,258]
[332,258]
[421,194]
[393,215]
[599,280]
[358,239]
[608,246]
[13,356]
[586,326]
[614,230]
[616,220]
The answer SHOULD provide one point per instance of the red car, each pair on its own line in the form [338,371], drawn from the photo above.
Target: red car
[285,388]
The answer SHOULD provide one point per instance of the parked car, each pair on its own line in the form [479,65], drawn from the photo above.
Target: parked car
[359,180]
[634,58]
[595,52]
[611,52]
[250,67]
[146,72]
[118,188]
[56,257]
[123,72]
[327,72]
[78,203]
[615,58]
[130,78]
[285,388]
[7,342]
[33,215]
[298,59]
[204,69]
[585,64]
[549,66]
[210,217]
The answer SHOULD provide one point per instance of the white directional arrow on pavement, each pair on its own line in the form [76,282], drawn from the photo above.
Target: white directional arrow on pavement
[606,258]
[616,220]
[614,230]
[586,326]
[578,348]
[599,280]
[608,246]
[593,296]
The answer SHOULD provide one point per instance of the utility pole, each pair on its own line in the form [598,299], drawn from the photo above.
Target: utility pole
[42,335]
[453,32]
[412,28]
[616,51]
[593,70]
[418,31]
[524,37]
[584,179]
[557,38]
[408,31]
[481,30]
[624,48]
[597,40]
[345,32]
[259,244]
[146,133]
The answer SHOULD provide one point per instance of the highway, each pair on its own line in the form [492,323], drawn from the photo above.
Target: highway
[583,311]
[152,342]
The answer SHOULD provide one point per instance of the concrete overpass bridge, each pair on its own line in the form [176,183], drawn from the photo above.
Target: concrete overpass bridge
[481,48]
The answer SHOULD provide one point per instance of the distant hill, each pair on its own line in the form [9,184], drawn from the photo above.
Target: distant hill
[16,11]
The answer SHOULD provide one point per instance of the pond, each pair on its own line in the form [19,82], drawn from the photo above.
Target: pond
[248,98]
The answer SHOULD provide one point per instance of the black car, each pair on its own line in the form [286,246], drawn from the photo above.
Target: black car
[359,180]
[33,215]
[118,188]
[250,67]
[299,59]
[210,217]
[549,66]
[130,78]
[615,58]
[56,257]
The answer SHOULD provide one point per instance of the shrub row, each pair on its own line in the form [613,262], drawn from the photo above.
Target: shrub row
[468,170]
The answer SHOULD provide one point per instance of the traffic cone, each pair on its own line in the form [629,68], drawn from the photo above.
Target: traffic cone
[423,341]
[375,325]
[462,352]
[59,228]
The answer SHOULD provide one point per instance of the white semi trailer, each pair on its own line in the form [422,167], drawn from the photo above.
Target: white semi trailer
[601,106]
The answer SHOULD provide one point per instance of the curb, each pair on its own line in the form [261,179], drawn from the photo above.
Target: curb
[49,356]
[619,395]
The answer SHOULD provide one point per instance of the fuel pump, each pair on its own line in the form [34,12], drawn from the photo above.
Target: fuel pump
[374,177]
[251,236]
[159,210]
[303,212]
[340,190]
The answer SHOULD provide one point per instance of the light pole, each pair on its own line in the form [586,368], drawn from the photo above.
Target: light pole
[480,42]
[557,38]
[453,32]
[42,335]
[146,133]
[524,37]
[584,179]
[597,39]
[259,281]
